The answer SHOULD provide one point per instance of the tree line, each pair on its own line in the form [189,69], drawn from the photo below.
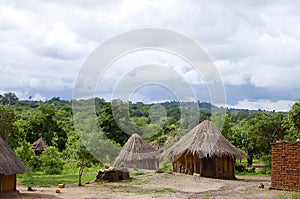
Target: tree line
[22,122]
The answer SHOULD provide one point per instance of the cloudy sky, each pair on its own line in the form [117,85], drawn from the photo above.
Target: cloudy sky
[254,45]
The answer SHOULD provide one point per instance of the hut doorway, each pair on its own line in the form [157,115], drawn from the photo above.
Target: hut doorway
[209,167]
[7,183]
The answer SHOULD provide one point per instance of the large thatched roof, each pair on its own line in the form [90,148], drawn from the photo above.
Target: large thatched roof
[204,140]
[9,162]
[136,149]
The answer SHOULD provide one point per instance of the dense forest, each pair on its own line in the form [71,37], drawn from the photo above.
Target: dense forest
[22,122]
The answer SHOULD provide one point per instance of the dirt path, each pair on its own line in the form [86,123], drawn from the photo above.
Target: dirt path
[165,185]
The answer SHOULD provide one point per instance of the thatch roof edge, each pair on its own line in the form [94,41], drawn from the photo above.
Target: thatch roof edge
[204,140]
[10,163]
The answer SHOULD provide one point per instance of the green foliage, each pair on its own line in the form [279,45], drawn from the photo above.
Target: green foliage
[267,160]
[109,125]
[25,153]
[289,196]
[240,167]
[167,167]
[77,153]
[7,128]
[44,123]
[69,175]
[8,98]
[52,162]
[264,129]
[292,123]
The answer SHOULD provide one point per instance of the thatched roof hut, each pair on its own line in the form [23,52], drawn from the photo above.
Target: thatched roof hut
[10,165]
[204,150]
[137,153]
[39,146]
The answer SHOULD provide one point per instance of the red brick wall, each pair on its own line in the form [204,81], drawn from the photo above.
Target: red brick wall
[286,165]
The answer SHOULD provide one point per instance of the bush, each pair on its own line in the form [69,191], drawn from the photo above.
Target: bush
[240,167]
[251,170]
[51,161]
[25,153]
[267,160]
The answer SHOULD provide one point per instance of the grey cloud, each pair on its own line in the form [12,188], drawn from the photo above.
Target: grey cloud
[254,44]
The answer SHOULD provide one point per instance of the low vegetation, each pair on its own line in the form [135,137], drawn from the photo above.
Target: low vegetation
[292,196]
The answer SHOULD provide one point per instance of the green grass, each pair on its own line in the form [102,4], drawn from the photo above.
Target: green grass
[167,167]
[139,174]
[256,173]
[254,161]
[69,175]
[293,196]
[164,190]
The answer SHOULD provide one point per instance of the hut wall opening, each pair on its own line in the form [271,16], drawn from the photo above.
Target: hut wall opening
[7,183]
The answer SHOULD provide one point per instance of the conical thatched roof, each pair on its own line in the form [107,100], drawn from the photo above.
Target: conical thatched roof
[9,162]
[136,149]
[39,145]
[204,140]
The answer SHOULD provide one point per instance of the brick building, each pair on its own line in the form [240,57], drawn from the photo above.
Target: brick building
[286,165]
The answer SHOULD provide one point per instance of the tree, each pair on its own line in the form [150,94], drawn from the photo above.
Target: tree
[77,152]
[256,135]
[292,123]
[45,124]
[109,124]
[7,129]
[52,162]
[267,129]
[8,98]
[25,153]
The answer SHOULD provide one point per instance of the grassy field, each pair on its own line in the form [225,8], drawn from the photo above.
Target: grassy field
[69,175]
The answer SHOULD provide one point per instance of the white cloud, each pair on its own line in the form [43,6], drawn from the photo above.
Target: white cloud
[264,104]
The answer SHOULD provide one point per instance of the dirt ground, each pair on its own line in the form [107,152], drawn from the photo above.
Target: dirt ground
[164,185]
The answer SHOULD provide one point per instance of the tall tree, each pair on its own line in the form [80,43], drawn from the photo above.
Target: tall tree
[9,98]
[78,154]
[45,124]
[292,123]
[110,122]
[7,129]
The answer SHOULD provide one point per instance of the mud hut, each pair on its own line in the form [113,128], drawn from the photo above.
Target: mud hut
[137,153]
[10,165]
[204,151]
[39,146]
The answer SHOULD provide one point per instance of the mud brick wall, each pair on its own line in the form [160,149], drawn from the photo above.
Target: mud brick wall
[286,166]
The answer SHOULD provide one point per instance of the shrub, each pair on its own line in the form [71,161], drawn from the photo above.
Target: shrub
[251,170]
[267,160]
[240,167]
[25,153]
[51,161]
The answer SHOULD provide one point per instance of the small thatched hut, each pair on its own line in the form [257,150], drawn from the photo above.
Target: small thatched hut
[10,165]
[137,153]
[205,151]
[39,146]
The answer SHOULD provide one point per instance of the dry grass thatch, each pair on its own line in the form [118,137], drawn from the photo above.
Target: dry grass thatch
[136,149]
[10,163]
[204,140]
[39,146]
